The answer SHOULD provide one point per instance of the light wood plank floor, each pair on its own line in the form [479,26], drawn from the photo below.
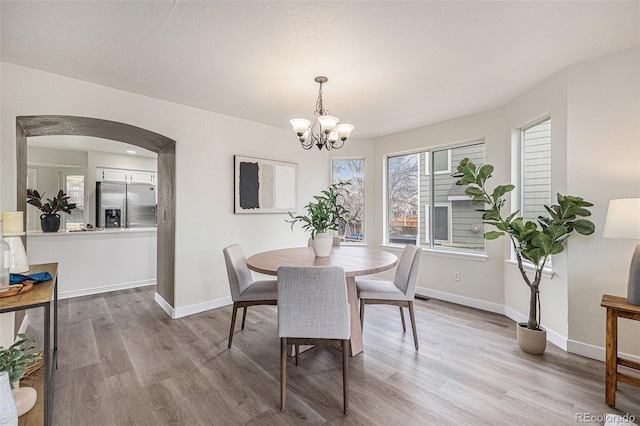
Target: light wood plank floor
[122,361]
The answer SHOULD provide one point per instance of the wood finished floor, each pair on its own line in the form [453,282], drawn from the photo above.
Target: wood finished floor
[122,361]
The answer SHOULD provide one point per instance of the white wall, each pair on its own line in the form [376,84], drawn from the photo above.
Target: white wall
[595,110]
[547,98]
[603,163]
[205,145]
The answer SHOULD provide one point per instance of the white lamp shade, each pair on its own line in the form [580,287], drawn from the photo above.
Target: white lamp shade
[344,130]
[299,125]
[333,137]
[304,136]
[623,219]
[328,122]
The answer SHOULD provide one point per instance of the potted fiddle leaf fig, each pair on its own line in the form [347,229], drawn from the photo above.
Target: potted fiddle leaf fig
[50,219]
[323,215]
[532,242]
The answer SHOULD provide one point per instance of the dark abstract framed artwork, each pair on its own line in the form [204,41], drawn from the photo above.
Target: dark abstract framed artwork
[265,186]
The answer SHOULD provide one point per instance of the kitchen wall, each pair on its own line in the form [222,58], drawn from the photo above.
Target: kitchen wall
[51,164]
[113,161]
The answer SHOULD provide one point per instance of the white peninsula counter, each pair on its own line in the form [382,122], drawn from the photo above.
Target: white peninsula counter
[97,261]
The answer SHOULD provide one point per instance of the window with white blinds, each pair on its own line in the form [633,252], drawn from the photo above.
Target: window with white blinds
[536,170]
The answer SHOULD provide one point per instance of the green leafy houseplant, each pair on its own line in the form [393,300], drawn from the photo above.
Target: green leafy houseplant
[14,359]
[531,241]
[326,213]
[59,203]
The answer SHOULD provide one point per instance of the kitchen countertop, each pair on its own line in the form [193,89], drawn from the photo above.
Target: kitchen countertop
[108,231]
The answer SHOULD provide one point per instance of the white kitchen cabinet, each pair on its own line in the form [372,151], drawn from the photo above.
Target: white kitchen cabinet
[111,175]
[142,177]
[128,176]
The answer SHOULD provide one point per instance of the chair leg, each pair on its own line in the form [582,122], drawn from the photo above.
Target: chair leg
[233,323]
[283,373]
[345,375]
[404,327]
[244,316]
[297,347]
[413,324]
[361,314]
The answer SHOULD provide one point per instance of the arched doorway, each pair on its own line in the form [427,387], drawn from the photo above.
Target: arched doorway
[61,125]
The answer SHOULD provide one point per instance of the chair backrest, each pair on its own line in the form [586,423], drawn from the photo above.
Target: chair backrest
[312,303]
[407,271]
[237,270]
[336,242]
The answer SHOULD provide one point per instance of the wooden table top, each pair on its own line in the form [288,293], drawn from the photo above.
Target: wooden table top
[355,260]
[42,292]
[620,303]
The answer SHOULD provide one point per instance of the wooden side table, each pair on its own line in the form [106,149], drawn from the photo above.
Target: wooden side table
[41,296]
[617,307]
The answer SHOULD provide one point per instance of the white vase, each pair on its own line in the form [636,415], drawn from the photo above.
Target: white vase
[25,398]
[322,244]
[8,409]
[531,341]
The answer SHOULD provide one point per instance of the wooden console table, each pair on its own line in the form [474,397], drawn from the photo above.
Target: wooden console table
[41,296]
[617,307]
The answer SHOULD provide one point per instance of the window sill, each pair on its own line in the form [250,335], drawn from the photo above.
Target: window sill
[528,266]
[476,257]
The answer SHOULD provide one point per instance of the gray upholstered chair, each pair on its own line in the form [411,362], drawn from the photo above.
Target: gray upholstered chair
[313,310]
[399,292]
[244,291]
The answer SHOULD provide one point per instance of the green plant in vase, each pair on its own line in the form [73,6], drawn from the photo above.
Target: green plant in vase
[323,215]
[14,359]
[532,241]
[50,219]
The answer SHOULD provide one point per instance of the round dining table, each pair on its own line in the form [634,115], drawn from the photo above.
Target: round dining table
[355,260]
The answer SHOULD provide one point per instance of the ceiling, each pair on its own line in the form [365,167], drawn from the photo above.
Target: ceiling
[391,65]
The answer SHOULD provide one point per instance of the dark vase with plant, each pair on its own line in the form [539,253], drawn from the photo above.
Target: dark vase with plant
[322,216]
[50,219]
[531,241]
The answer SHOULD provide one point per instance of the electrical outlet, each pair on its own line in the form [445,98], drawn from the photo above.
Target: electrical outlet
[456,276]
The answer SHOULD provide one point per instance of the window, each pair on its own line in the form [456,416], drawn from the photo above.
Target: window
[74,187]
[351,170]
[536,170]
[446,218]
[441,162]
[442,223]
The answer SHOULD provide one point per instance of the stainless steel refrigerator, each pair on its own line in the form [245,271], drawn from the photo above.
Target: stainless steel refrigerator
[125,205]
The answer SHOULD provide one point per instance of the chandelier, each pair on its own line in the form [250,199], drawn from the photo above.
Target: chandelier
[329,134]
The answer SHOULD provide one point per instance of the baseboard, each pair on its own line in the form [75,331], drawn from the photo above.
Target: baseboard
[595,352]
[176,313]
[553,337]
[461,300]
[104,289]
[165,306]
